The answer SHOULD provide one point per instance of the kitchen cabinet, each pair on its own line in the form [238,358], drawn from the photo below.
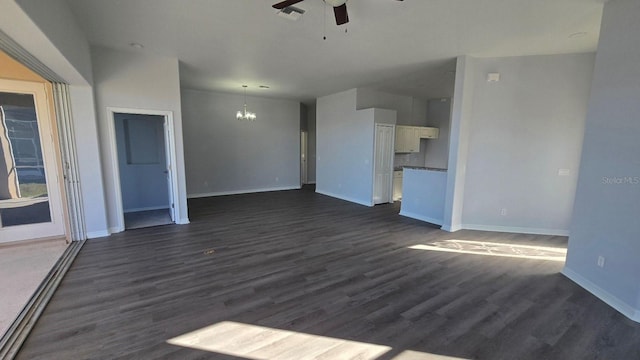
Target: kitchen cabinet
[428,132]
[407,140]
[408,137]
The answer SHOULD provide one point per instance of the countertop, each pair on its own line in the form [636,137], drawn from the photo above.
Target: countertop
[398,168]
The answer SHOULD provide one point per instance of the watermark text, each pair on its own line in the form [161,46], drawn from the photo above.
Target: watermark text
[621,180]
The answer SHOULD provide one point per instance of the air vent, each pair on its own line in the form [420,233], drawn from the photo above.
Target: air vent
[291,12]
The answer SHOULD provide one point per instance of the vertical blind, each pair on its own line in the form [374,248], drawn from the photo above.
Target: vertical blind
[66,133]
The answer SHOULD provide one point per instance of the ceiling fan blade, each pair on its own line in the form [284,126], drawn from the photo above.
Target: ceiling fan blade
[341,14]
[284,4]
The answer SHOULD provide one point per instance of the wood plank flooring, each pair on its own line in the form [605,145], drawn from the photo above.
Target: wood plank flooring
[297,275]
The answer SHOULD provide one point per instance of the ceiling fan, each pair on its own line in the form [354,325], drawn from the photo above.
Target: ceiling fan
[339,8]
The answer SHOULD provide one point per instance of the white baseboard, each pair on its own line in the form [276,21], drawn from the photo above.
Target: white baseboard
[451,228]
[237,192]
[147,208]
[421,217]
[183,221]
[116,229]
[98,234]
[345,198]
[611,300]
[518,230]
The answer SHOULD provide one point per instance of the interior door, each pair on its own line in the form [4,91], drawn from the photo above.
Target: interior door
[383,164]
[30,196]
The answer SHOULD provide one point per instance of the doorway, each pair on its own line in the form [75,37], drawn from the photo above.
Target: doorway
[143,154]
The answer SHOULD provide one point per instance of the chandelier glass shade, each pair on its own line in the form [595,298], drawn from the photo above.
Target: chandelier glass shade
[244,114]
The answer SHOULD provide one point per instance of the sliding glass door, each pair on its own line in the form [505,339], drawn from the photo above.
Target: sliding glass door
[30,197]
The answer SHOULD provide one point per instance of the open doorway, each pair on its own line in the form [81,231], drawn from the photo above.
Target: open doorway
[144,154]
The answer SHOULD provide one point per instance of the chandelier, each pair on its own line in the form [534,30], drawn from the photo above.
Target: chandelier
[244,114]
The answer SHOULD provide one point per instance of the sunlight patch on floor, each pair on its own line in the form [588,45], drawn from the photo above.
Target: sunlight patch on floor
[263,343]
[416,355]
[495,249]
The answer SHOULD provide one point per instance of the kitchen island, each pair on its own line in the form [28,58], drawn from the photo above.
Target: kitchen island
[423,193]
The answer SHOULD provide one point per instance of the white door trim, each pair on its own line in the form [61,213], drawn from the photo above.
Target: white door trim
[172,158]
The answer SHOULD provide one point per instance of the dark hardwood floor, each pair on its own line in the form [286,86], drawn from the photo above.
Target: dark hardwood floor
[313,265]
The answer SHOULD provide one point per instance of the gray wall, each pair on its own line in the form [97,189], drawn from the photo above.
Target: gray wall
[607,206]
[227,156]
[525,128]
[142,162]
[136,81]
[437,150]
[344,149]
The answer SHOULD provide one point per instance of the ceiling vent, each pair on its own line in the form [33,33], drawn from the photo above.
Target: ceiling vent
[291,12]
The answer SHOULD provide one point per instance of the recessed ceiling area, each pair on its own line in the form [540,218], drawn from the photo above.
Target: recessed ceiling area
[404,47]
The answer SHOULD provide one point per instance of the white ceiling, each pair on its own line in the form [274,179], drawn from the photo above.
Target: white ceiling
[404,47]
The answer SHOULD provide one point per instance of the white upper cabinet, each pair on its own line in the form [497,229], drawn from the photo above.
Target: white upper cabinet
[428,132]
[408,137]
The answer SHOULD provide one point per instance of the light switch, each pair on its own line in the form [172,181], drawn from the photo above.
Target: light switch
[564,172]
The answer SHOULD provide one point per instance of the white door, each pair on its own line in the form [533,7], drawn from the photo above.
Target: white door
[303,157]
[169,171]
[383,164]
[30,196]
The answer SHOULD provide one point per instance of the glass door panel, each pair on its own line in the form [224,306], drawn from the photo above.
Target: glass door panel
[30,205]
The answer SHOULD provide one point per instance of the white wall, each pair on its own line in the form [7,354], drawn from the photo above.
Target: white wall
[344,148]
[437,150]
[423,195]
[410,110]
[49,32]
[311,151]
[605,221]
[461,117]
[227,156]
[88,152]
[137,81]
[55,19]
[525,128]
